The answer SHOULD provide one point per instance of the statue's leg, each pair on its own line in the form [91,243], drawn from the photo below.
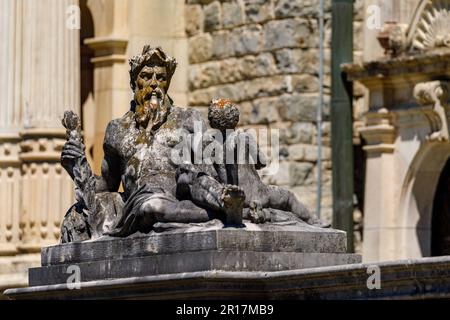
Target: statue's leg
[165,208]
[285,200]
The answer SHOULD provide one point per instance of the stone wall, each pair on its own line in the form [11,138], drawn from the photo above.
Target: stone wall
[264,55]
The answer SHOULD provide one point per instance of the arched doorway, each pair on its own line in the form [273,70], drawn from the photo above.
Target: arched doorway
[440,242]
[87,79]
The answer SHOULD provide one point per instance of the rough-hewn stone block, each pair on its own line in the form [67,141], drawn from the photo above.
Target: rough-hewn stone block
[247,40]
[258,66]
[258,10]
[264,111]
[221,45]
[298,33]
[298,107]
[194,19]
[297,61]
[299,8]
[298,132]
[233,14]
[305,83]
[200,48]
[213,16]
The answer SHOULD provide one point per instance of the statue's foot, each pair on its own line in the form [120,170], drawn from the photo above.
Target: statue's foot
[233,199]
[316,222]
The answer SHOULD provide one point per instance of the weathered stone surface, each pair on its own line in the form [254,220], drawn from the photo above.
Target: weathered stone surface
[258,10]
[241,91]
[426,278]
[298,107]
[300,173]
[263,87]
[200,48]
[290,33]
[298,132]
[243,261]
[231,70]
[204,75]
[299,8]
[273,237]
[264,111]
[213,16]
[247,40]
[291,174]
[194,19]
[221,44]
[199,1]
[307,152]
[258,66]
[233,14]
[193,248]
[305,83]
[297,61]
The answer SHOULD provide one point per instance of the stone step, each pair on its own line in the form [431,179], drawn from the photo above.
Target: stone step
[256,238]
[246,261]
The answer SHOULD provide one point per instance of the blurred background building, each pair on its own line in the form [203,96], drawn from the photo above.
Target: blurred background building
[262,54]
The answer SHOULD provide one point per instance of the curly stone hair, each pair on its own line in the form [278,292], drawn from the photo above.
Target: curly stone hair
[223,114]
[151,55]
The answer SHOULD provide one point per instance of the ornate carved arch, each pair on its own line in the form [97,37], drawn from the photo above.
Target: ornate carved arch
[430,26]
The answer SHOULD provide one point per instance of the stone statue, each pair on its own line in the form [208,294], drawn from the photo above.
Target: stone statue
[224,115]
[158,192]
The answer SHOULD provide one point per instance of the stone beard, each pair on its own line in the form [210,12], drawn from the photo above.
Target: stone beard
[153,104]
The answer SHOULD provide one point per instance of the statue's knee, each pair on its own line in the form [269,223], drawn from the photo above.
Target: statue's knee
[152,206]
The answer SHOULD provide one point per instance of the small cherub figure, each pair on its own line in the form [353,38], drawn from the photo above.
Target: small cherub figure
[223,115]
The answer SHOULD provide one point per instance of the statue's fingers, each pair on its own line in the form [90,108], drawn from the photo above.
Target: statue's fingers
[75,143]
[67,159]
[72,153]
[68,146]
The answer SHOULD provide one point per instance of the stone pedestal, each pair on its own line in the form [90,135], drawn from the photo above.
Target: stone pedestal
[199,248]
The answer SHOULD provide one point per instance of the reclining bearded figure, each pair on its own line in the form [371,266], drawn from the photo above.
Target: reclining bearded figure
[157,191]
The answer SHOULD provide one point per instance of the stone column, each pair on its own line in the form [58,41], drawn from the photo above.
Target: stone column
[9,129]
[111,81]
[50,85]
[380,201]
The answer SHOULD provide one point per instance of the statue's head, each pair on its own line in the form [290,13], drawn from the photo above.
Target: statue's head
[150,74]
[223,114]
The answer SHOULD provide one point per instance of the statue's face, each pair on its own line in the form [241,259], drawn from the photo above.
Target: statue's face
[154,77]
[151,89]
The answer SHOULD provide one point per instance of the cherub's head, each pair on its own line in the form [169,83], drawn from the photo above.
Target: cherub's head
[223,114]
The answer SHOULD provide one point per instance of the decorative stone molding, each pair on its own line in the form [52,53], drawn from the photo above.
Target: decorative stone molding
[430,26]
[435,93]
[379,132]
[108,50]
[42,145]
[428,30]
[43,179]
[9,193]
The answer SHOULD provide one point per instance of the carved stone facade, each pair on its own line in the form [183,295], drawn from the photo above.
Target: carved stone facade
[40,78]
[405,132]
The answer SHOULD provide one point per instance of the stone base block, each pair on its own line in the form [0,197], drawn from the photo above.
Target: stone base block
[427,278]
[205,248]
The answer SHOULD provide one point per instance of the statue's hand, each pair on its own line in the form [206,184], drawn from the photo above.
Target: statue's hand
[72,152]
[257,214]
